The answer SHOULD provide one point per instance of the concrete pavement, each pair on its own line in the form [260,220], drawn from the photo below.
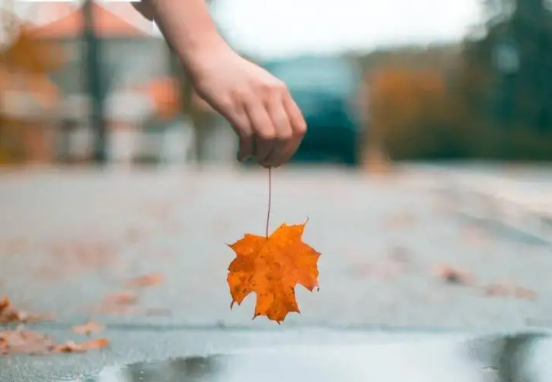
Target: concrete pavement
[516,197]
[68,240]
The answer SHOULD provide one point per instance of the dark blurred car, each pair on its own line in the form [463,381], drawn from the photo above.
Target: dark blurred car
[326,89]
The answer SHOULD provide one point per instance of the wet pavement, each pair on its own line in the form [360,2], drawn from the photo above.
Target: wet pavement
[69,239]
[429,358]
[299,355]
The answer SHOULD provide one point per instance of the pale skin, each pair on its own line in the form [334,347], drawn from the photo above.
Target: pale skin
[259,107]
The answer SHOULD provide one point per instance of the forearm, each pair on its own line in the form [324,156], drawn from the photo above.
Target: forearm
[188,28]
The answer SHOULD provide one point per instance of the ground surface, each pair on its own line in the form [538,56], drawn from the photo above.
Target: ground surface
[69,238]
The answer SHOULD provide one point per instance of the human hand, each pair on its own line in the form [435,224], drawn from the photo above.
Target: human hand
[259,106]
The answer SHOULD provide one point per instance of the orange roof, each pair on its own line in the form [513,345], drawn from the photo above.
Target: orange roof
[165,93]
[106,24]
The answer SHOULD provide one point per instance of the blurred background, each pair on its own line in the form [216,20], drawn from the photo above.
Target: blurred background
[449,103]
[94,82]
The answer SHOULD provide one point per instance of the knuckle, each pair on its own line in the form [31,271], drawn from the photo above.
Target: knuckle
[265,88]
[245,134]
[282,87]
[237,95]
[300,128]
[267,135]
[285,136]
[227,103]
[272,87]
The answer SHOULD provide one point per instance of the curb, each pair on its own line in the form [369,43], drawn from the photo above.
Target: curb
[516,205]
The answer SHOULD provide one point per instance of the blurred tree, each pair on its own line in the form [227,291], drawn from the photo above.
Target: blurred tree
[409,114]
[505,81]
[24,66]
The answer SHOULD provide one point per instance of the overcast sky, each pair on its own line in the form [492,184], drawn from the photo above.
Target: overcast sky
[282,27]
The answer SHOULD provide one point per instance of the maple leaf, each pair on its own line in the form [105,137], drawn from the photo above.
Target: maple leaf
[21,341]
[10,314]
[271,267]
[72,347]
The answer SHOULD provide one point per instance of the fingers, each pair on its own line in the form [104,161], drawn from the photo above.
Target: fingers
[298,128]
[243,128]
[234,110]
[279,126]
[268,122]
[264,131]
[282,127]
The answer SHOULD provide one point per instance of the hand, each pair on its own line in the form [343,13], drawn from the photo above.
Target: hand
[259,107]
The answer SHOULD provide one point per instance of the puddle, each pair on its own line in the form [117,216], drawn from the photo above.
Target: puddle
[519,358]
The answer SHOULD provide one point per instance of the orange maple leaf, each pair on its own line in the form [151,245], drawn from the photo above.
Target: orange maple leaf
[271,267]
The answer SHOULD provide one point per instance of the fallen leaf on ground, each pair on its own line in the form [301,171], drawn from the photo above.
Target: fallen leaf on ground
[88,328]
[272,267]
[453,275]
[496,290]
[22,341]
[521,292]
[122,298]
[10,314]
[72,347]
[151,279]
[400,220]
[120,303]
[509,289]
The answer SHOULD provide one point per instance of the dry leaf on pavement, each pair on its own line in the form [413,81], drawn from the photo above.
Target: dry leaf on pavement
[21,341]
[72,347]
[453,275]
[10,314]
[151,279]
[122,298]
[400,220]
[88,328]
[509,289]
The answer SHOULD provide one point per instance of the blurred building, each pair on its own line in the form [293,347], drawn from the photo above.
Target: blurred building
[127,71]
[145,114]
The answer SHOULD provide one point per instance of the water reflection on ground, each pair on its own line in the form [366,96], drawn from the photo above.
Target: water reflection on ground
[516,358]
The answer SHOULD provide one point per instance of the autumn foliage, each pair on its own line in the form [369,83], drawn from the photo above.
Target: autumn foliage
[410,114]
[272,267]
[24,67]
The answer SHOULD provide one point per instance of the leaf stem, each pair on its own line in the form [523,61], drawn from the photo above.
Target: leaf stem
[269,199]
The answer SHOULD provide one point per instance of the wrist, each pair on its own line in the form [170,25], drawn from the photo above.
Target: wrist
[189,29]
[198,58]
[198,50]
